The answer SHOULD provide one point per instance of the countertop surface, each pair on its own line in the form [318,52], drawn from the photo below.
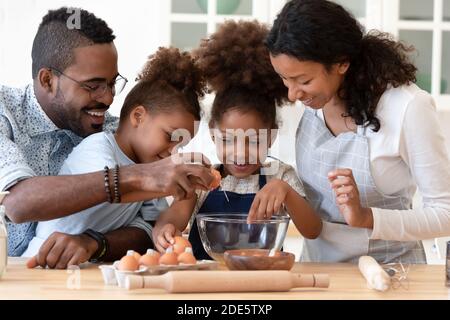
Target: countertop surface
[346,282]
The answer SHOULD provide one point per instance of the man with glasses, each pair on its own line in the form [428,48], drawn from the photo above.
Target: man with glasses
[75,78]
[97,87]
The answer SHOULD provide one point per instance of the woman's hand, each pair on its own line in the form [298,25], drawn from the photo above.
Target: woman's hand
[163,236]
[268,200]
[347,198]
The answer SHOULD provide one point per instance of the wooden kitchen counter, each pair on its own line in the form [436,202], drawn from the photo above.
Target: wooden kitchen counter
[425,282]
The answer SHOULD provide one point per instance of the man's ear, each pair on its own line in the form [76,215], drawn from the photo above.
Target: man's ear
[47,80]
[137,116]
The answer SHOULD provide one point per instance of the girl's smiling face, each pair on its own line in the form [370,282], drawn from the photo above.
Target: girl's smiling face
[157,136]
[242,140]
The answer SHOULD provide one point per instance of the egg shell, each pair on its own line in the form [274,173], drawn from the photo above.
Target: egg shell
[135,254]
[187,257]
[180,244]
[151,258]
[216,180]
[169,258]
[128,263]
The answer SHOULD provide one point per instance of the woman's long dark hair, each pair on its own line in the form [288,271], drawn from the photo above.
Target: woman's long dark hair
[324,32]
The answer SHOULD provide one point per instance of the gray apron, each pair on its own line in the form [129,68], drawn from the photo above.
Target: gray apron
[319,152]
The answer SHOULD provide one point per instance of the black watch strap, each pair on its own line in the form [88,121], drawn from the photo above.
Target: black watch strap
[102,244]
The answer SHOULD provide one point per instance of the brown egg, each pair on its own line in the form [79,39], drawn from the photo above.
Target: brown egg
[136,255]
[128,263]
[151,258]
[187,257]
[180,244]
[216,180]
[169,258]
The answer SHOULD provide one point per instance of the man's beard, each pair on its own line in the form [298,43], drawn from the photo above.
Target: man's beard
[70,118]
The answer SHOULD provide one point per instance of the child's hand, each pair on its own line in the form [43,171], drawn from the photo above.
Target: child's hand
[164,237]
[268,200]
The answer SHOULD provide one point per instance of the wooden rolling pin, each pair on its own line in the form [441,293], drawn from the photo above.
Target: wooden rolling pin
[227,281]
[375,276]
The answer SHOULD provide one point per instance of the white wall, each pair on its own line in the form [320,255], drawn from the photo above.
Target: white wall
[135,24]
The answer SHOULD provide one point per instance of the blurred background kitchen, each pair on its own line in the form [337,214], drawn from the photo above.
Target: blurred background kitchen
[142,26]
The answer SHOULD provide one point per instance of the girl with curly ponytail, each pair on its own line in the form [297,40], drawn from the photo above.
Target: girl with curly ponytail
[367,139]
[236,65]
[163,101]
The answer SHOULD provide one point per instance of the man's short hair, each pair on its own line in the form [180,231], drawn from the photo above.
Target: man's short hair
[57,36]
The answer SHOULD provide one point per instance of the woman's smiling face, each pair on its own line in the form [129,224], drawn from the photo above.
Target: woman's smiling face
[308,81]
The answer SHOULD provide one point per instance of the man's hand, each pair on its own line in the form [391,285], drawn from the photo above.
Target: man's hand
[178,175]
[61,250]
[268,200]
[29,199]
[347,198]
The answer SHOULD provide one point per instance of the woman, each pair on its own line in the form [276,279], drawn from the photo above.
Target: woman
[368,138]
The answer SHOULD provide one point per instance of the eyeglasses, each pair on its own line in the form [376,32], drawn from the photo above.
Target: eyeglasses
[97,89]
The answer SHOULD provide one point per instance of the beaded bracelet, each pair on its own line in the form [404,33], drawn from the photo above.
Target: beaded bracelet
[116,185]
[107,189]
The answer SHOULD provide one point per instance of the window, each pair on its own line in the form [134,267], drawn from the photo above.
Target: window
[192,20]
[426,25]
[368,12]
[422,24]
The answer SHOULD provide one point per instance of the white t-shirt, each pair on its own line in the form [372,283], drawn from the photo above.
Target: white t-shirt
[93,154]
[409,152]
